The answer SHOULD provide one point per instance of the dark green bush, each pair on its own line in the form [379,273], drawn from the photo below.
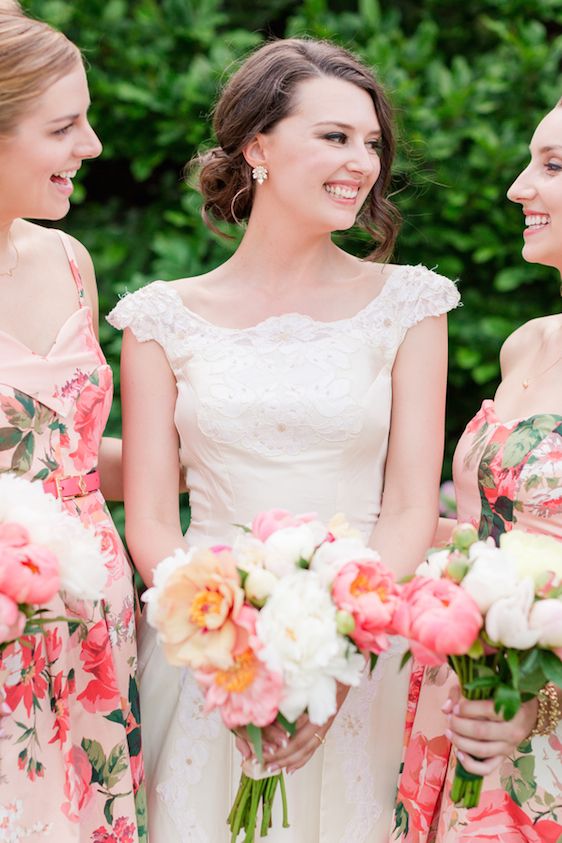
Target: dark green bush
[469,81]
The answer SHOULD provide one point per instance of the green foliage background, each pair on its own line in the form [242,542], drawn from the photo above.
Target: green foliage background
[469,81]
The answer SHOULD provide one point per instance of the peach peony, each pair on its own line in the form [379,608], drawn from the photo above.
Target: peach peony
[367,590]
[196,609]
[438,617]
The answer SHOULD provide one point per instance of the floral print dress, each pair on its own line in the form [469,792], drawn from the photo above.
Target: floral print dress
[71,765]
[507,474]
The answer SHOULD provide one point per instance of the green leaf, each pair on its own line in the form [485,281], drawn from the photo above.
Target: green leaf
[23,455]
[243,575]
[26,401]
[117,762]
[507,701]
[373,658]
[289,727]
[9,438]
[96,757]
[405,659]
[254,733]
[108,809]
[552,666]
[512,658]
[116,716]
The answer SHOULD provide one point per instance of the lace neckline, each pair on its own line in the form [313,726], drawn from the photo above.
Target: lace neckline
[292,317]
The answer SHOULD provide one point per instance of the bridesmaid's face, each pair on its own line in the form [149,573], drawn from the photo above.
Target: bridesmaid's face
[39,159]
[323,158]
[539,190]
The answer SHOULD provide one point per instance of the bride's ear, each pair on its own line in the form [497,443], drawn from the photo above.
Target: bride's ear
[255,153]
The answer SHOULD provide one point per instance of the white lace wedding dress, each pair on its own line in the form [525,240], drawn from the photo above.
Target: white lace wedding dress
[291,413]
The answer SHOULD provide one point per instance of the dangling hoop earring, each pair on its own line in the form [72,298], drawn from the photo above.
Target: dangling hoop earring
[260,174]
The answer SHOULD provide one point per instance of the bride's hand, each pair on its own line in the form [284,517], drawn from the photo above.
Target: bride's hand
[306,740]
[274,738]
[482,738]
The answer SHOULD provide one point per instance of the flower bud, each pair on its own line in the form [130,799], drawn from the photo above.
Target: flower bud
[463,536]
[457,566]
[345,622]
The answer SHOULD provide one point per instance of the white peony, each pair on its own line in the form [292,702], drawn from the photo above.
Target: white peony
[507,621]
[259,584]
[491,576]
[297,628]
[248,551]
[330,558]
[534,554]
[434,565]
[546,618]
[285,547]
[160,576]
[83,573]
[340,528]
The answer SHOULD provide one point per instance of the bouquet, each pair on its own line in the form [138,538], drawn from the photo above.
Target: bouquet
[43,550]
[270,626]
[495,615]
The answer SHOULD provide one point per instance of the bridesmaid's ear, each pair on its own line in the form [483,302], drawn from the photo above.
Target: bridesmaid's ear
[254,152]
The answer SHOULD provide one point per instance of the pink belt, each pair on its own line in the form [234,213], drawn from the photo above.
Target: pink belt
[74,486]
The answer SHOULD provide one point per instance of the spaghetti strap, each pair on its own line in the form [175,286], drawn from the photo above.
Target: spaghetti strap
[67,246]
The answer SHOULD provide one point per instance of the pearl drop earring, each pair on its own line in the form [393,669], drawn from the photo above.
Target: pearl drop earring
[260,174]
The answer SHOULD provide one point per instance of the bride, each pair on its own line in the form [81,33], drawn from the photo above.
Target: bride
[295,375]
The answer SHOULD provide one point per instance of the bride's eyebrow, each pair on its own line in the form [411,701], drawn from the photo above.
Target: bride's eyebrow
[347,126]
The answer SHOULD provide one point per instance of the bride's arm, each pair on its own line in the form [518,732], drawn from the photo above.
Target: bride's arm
[150,454]
[410,503]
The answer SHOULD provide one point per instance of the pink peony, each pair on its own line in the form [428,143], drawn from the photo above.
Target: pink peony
[28,573]
[438,617]
[12,621]
[368,591]
[246,692]
[266,523]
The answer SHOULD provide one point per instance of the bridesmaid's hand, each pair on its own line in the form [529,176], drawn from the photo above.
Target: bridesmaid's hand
[482,739]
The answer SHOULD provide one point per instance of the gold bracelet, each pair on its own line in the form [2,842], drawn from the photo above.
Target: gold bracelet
[548,713]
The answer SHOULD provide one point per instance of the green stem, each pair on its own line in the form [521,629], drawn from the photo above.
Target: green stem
[284,800]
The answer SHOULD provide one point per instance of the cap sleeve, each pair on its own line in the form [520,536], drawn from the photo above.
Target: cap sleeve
[424,293]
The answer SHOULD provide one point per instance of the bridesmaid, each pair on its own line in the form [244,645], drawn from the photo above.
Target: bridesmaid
[71,765]
[508,473]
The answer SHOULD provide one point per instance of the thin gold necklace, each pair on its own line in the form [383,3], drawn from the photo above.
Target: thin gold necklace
[9,273]
[525,381]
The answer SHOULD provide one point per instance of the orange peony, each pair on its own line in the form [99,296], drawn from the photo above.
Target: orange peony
[196,609]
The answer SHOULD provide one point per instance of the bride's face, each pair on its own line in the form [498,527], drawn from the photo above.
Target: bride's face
[323,159]
[539,190]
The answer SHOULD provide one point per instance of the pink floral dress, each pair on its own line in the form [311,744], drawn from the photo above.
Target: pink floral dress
[71,767]
[506,474]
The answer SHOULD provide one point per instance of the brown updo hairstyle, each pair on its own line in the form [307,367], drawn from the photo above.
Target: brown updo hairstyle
[33,55]
[257,97]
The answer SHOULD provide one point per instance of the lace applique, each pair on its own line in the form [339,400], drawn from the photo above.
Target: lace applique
[289,382]
[351,733]
[187,763]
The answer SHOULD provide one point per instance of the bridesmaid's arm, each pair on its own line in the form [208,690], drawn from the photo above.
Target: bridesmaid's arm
[410,504]
[445,527]
[150,454]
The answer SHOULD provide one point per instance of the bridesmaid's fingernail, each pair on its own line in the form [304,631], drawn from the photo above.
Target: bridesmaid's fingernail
[270,750]
[460,755]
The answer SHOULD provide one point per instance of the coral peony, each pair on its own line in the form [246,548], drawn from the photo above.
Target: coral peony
[439,617]
[28,573]
[367,590]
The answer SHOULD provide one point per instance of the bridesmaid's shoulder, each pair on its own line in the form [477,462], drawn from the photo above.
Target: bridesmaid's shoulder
[527,337]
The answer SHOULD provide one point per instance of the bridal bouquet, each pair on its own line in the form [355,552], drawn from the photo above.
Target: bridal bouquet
[270,626]
[495,615]
[43,550]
